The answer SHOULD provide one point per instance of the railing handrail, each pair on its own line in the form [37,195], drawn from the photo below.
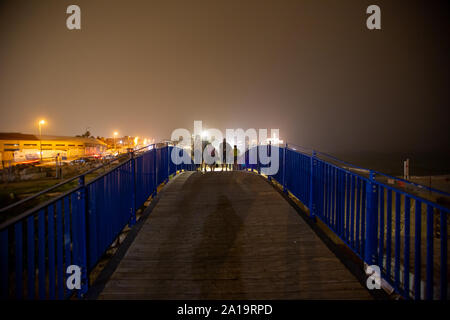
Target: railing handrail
[363,211]
[112,204]
[30,211]
[391,187]
[418,185]
[42,192]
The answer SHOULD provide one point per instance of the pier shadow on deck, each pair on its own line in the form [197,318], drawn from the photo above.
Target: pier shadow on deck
[228,235]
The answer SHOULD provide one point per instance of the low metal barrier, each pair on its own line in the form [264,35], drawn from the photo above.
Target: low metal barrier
[398,230]
[37,247]
[403,233]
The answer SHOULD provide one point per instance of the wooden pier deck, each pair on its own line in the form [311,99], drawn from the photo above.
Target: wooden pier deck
[228,235]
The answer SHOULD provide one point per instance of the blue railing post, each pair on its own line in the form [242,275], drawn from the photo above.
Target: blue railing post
[269,153]
[82,259]
[168,164]
[370,245]
[176,166]
[133,184]
[312,211]
[284,167]
[155,169]
[258,165]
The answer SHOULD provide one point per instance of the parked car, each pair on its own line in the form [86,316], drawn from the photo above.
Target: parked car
[83,160]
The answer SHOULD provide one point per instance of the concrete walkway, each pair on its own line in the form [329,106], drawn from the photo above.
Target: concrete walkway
[228,236]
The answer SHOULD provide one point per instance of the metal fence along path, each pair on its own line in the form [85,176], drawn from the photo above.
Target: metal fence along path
[385,221]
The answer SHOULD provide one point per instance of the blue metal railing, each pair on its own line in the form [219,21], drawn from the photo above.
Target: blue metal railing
[403,233]
[77,227]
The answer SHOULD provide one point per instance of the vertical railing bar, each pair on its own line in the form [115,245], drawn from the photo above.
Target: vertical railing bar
[358,214]
[352,211]
[381,228]
[417,249]
[371,221]
[397,241]
[311,185]
[82,228]
[347,207]
[18,238]
[443,286]
[4,264]
[59,250]
[333,193]
[363,216]
[328,178]
[30,259]
[406,261]
[388,233]
[41,255]
[133,182]
[343,212]
[429,264]
[338,203]
[67,237]
[51,252]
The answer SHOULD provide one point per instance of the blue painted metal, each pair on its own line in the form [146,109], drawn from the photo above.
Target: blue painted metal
[51,251]
[85,221]
[406,247]
[389,234]
[92,223]
[417,249]
[381,226]
[347,207]
[363,216]
[19,259]
[397,242]
[429,271]
[284,166]
[311,185]
[4,264]
[352,212]
[41,254]
[31,272]
[81,224]
[67,239]
[444,239]
[360,210]
[333,199]
[59,250]
[358,215]
[133,194]
[371,222]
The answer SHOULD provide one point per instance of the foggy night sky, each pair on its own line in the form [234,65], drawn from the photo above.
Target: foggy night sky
[310,68]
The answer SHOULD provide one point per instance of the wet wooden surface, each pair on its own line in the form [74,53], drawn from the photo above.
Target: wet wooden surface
[228,236]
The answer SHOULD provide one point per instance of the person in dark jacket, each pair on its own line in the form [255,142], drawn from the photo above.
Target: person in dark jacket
[226,150]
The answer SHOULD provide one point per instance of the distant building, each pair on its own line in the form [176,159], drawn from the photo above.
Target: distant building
[28,147]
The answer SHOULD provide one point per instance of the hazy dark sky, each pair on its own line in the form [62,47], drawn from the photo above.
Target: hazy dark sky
[310,68]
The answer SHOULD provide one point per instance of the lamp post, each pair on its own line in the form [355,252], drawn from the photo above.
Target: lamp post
[41,122]
[115,135]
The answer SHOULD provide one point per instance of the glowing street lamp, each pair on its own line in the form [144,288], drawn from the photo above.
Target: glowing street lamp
[115,135]
[40,123]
